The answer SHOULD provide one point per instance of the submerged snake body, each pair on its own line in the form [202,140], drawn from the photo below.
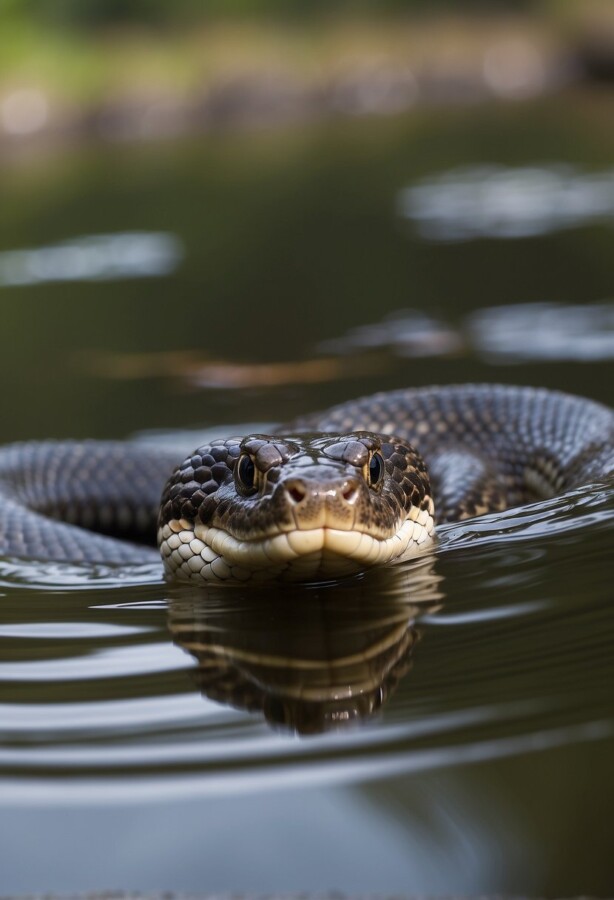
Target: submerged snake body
[342,490]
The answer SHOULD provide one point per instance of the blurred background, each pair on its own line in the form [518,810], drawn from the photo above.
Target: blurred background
[226,212]
[215,213]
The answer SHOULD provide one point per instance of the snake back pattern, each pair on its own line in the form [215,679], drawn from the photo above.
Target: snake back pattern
[331,493]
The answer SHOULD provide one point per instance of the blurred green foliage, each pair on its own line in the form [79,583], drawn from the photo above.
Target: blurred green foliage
[91,14]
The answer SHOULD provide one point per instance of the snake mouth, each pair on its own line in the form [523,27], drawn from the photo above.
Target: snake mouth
[200,553]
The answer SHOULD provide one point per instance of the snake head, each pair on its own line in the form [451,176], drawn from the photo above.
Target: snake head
[301,508]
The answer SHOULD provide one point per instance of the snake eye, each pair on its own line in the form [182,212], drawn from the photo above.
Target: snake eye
[245,474]
[376,470]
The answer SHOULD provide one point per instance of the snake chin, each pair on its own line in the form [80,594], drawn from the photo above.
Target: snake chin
[205,554]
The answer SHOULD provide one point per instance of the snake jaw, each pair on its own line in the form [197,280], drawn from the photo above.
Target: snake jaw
[201,553]
[208,554]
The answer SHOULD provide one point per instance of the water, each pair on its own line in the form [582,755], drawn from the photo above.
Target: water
[441,726]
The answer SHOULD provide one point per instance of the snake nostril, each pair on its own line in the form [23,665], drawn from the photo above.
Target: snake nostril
[349,492]
[296,491]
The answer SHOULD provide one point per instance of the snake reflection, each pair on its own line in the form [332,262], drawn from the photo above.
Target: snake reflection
[309,659]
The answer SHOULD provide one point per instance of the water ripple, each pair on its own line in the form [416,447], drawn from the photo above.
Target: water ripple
[152,691]
[69,630]
[587,507]
[83,791]
[16,573]
[121,662]
[100,717]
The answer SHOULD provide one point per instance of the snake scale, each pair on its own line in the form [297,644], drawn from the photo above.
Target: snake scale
[332,493]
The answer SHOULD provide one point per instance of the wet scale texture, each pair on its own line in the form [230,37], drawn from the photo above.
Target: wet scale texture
[86,501]
[487,448]
[312,506]
[315,506]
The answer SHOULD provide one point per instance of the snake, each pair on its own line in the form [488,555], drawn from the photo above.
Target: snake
[330,494]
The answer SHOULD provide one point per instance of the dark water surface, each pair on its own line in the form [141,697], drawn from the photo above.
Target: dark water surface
[442,726]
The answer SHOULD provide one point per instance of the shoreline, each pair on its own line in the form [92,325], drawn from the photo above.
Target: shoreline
[238,78]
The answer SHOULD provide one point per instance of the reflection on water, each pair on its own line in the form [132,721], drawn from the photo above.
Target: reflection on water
[501,202]
[16,573]
[408,332]
[591,506]
[310,659]
[100,712]
[541,332]
[544,331]
[118,691]
[501,669]
[97,257]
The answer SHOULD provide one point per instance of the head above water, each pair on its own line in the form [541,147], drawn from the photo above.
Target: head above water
[302,508]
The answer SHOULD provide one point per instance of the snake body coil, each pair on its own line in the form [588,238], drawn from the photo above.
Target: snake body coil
[359,484]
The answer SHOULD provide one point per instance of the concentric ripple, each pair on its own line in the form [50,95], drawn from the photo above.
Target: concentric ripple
[114,685]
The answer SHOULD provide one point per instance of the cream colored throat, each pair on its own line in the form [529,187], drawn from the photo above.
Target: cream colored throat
[203,553]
